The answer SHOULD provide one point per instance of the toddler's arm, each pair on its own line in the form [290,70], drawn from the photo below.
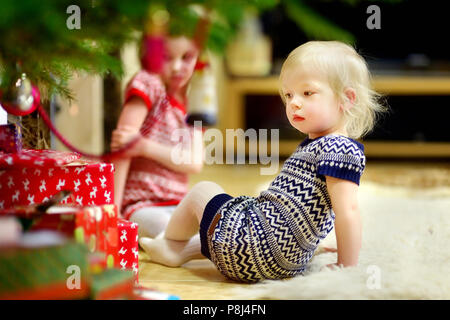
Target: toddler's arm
[343,195]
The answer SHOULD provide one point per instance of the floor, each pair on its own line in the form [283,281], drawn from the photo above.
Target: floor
[199,280]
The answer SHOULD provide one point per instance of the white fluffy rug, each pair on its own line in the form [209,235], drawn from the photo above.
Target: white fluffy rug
[405,252]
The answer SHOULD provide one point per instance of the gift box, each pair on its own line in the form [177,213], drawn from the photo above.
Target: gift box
[128,254]
[112,284]
[98,228]
[95,226]
[34,176]
[10,138]
[48,272]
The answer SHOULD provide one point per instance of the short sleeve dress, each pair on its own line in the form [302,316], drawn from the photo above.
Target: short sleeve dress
[150,183]
[274,235]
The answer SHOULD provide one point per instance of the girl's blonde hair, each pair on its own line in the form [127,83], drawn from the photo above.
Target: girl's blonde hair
[343,68]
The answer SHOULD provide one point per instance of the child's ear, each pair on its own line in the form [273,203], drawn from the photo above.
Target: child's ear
[350,100]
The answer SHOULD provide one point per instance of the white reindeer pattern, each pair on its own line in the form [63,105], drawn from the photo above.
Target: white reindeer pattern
[88,179]
[30,198]
[102,181]
[77,184]
[10,182]
[107,196]
[15,196]
[123,237]
[93,193]
[79,200]
[42,186]
[61,183]
[26,183]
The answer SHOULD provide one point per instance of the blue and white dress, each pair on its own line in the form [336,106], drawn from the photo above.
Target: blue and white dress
[274,235]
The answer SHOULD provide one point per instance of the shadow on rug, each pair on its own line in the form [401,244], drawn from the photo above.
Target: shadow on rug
[405,252]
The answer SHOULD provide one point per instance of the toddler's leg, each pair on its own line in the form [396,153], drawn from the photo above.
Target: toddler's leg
[181,242]
[152,220]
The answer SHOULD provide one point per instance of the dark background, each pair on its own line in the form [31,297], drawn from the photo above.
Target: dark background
[412,41]
[407,28]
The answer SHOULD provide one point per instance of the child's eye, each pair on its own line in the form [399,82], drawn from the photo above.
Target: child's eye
[188,57]
[308,93]
[288,95]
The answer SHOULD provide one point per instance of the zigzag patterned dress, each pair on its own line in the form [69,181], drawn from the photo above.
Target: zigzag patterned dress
[274,235]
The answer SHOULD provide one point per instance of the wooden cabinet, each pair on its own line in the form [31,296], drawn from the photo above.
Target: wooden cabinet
[238,88]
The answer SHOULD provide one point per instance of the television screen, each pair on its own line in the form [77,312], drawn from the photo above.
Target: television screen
[412,34]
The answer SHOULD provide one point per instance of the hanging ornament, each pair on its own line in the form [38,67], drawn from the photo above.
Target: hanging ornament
[202,97]
[19,99]
[153,41]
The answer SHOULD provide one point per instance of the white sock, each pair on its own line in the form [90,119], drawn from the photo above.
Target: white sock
[151,221]
[171,253]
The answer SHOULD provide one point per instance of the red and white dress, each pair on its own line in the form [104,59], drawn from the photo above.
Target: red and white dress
[150,183]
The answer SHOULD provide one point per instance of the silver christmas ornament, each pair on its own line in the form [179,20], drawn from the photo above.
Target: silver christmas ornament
[19,97]
[24,95]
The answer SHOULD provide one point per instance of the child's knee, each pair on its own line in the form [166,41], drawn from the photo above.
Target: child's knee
[207,187]
[201,194]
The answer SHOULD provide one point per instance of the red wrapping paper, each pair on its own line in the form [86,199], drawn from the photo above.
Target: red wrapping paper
[128,253]
[36,158]
[35,176]
[104,227]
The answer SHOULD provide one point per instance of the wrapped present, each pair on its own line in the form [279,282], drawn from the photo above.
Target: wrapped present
[57,271]
[128,254]
[34,176]
[10,138]
[98,228]
[95,226]
[112,284]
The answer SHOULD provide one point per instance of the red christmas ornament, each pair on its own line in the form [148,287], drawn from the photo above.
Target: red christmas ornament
[153,53]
